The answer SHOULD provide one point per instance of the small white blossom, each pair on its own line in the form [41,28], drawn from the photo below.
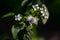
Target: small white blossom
[31,20]
[42,11]
[35,7]
[18,17]
[41,8]
[43,14]
[46,17]
[45,10]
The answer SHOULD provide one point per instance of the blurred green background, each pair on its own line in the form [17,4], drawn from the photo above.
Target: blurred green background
[7,6]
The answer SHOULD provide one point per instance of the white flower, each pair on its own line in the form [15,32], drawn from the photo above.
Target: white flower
[45,10]
[43,14]
[41,8]
[46,17]
[42,11]
[32,20]
[18,17]
[35,7]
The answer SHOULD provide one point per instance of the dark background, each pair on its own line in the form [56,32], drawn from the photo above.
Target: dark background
[53,23]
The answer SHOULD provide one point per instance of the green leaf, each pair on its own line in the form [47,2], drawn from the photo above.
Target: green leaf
[7,15]
[32,11]
[27,13]
[16,29]
[15,32]
[23,2]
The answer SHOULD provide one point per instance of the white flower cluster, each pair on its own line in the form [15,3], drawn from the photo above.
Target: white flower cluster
[42,9]
[35,7]
[44,12]
[18,17]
